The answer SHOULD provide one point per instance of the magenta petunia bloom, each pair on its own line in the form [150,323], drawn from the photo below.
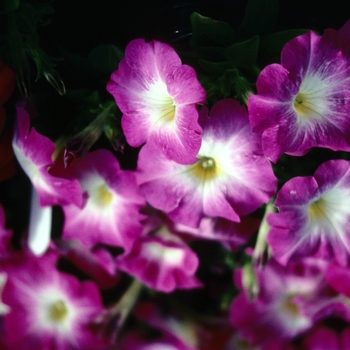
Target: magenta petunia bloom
[34,153]
[304,102]
[231,178]
[158,97]
[290,301]
[314,215]
[48,309]
[161,261]
[110,214]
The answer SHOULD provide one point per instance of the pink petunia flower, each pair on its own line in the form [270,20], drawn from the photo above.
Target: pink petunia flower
[231,178]
[48,309]
[290,301]
[158,97]
[110,214]
[162,261]
[304,102]
[34,153]
[314,215]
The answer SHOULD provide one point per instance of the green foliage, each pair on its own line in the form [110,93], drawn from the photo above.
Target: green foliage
[215,68]
[23,43]
[271,45]
[105,58]
[10,5]
[206,30]
[230,58]
[245,53]
[259,18]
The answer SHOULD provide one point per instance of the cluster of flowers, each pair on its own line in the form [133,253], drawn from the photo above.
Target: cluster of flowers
[199,175]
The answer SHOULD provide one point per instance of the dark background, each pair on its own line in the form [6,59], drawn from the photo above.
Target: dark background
[82,25]
[79,26]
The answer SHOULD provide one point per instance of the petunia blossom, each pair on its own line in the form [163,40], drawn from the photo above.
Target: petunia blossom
[34,153]
[290,301]
[231,178]
[314,215]
[110,214]
[48,309]
[161,261]
[158,97]
[304,102]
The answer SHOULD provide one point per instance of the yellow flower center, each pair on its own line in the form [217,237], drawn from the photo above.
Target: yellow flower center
[290,307]
[168,109]
[103,196]
[205,169]
[317,209]
[58,311]
[302,105]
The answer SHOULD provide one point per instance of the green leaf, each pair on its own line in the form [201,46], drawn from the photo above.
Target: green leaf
[211,53]
[243,54]
[209,32]
[10,5]
[273,43]
[215,68]
[259,18]
[105,58]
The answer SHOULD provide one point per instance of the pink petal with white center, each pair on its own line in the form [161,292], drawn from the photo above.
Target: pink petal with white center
[314,215]
[49,309]
[304,102]
[161,262]
[111,212]
[158,97]
[231,178]
[33,152]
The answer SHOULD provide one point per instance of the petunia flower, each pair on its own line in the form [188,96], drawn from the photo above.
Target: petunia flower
[231,178]
[314,215]
[158,97]
[290,301]
[162,261]
[33,152]
[304,102]
[48,309]
[110,214]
